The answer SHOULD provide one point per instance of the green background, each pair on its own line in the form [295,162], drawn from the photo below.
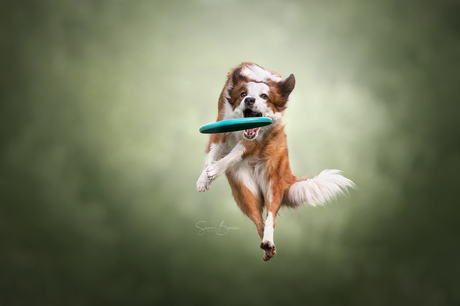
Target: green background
[101,102]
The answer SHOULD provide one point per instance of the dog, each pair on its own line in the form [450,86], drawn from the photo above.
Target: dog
[256,161]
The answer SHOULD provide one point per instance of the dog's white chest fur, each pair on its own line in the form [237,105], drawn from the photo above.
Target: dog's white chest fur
[251,173]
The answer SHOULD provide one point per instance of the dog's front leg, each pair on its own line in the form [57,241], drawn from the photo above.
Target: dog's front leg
[219,167]
[204,182]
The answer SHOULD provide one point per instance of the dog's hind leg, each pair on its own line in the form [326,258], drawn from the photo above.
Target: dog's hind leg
[273,200]
[249,203]
[256,216]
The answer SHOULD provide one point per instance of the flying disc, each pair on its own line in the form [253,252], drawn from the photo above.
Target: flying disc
[232,125]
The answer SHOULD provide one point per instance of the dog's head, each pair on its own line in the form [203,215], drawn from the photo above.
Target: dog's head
[257,92]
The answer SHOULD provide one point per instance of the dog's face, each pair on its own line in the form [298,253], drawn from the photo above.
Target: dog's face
[249,97]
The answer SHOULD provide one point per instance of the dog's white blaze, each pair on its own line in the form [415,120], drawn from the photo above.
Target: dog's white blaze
[255,90]
[259,74]
[269,228]
[320,189]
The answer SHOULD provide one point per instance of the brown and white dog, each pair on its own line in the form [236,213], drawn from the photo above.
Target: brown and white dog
[256,161]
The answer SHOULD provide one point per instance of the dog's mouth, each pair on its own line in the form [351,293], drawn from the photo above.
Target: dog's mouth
[251,133]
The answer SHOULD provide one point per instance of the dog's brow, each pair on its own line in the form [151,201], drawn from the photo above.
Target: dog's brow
[257,88]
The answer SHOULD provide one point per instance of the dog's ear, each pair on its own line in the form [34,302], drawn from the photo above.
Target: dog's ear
[236,75]
[286,86]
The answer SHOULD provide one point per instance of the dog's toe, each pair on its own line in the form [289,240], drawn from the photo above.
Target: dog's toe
[269,250]
[203,184]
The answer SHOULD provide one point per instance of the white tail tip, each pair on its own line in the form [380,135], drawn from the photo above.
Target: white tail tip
[320,189]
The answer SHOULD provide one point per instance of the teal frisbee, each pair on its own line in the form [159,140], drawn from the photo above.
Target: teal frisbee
[232,125]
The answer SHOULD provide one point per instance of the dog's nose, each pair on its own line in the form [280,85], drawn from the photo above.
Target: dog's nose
[249,101]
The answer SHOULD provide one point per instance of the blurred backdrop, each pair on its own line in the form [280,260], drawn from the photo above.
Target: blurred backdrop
[100,105]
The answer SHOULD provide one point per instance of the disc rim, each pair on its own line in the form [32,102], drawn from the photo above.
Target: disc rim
[233,125]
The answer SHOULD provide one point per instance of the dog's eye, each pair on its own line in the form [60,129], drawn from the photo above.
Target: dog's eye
[264,96]
[243,94]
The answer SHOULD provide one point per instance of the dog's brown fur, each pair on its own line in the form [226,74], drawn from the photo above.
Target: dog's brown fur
[272,150]
[258,170]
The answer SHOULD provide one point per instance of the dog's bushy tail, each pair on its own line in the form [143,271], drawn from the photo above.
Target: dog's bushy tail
[318,190]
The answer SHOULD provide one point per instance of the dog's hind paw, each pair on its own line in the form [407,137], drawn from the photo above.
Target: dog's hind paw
[269,250]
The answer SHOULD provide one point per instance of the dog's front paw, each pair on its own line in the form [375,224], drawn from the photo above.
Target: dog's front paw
[203,183]
[269,250]
[214,171]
